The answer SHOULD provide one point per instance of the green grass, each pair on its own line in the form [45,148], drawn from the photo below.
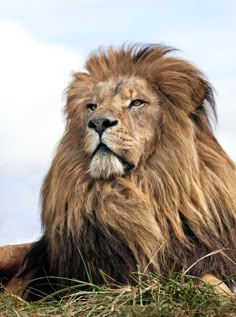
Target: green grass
[165,297]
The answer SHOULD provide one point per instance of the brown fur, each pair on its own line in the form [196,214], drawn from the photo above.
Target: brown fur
[11,260]
[177,201]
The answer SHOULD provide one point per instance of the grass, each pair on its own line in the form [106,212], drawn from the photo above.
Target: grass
[155,297]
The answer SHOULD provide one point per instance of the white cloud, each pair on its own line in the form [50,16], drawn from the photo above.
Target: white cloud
[32,79]
[33,76]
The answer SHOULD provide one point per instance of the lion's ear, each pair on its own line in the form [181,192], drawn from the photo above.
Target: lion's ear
[199,94]
[203,112]
[202,91]
[181,84]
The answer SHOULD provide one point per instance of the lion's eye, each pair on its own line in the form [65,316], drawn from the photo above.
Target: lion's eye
[136,103]
[91,106]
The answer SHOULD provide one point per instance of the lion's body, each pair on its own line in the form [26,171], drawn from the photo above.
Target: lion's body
[160,193]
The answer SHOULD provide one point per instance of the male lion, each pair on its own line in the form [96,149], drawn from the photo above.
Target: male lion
[138,178]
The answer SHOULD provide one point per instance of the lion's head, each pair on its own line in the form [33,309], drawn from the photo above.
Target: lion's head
[139,178]
[123,101]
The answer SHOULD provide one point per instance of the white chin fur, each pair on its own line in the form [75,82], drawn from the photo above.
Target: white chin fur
[104,165]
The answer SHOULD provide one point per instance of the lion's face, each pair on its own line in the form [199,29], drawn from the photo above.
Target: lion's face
[120,127]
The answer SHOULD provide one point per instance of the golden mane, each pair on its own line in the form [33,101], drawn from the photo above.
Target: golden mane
[176,206]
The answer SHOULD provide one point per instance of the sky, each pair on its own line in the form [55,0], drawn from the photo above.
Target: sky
[43,42]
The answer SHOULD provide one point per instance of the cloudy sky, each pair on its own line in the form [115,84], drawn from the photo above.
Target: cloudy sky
[42,42]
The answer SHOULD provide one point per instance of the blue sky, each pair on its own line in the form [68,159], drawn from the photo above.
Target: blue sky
[42,42]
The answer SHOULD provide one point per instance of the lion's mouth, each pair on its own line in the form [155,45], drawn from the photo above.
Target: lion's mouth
[105,150]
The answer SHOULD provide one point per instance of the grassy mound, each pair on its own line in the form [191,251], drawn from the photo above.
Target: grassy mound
[153,297]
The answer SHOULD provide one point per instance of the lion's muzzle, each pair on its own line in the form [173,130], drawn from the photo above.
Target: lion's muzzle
[105,148]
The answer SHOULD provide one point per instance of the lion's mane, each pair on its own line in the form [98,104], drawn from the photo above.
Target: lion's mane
[175,208]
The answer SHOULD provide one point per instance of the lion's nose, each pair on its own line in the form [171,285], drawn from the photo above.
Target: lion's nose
[100,124]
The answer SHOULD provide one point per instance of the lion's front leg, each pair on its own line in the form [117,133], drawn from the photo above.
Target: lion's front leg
[219,285]
[11,263]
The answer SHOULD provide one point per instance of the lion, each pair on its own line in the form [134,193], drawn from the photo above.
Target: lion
[138,179]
